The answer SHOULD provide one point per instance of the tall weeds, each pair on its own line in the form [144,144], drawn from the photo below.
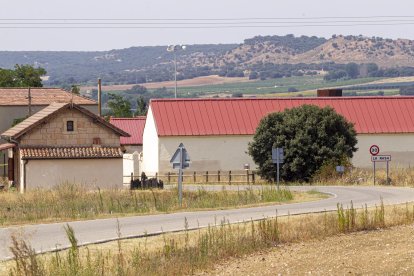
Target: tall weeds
[70,202]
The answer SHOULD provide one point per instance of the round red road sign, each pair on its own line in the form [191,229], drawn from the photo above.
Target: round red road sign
[374,150]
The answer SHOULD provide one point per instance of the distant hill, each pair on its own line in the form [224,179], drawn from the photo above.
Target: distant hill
[265,54]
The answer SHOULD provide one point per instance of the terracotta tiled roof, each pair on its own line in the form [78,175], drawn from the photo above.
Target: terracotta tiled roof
[133,126]
[41,116]
[200,117]
[70,152]
[6,146]
[40,96]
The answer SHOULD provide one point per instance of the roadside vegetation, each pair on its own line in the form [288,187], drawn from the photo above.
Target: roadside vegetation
[327,175]
[72,202]
[192,251]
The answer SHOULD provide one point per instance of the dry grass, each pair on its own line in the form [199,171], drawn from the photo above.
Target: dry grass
[198,250]
[72,202]
[402,177]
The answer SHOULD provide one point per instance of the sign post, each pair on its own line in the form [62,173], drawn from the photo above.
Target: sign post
[277,158]
[374,150]
[180,160]
[381,158]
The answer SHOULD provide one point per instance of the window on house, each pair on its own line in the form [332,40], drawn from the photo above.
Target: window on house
[69,126]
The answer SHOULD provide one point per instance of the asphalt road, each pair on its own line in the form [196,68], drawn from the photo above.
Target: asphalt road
[47,237]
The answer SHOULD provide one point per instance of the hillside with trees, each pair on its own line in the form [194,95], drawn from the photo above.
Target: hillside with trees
[260,57]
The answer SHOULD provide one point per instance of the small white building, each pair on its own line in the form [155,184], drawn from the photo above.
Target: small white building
[131,146]
[64,142]
[216,132]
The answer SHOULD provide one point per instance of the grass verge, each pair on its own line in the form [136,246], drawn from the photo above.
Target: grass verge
[193,251]
[72,202]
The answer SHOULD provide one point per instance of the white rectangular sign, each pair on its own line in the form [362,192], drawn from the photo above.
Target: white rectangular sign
[380,158]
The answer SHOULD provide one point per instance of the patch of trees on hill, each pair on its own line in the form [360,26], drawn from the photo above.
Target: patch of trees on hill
[300,44]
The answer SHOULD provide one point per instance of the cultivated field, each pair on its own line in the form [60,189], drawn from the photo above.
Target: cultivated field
[385,251]
[199,81]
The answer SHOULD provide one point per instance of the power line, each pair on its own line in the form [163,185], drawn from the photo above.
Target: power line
[205,23]
[207,27]
[208,19]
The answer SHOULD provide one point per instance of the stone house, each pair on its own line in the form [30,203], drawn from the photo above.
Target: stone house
[64,142]
[14,104]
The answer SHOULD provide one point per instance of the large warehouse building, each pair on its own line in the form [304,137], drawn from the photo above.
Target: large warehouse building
[216,132]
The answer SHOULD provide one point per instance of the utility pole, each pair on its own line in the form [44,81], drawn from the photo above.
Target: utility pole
[174,49]
[29,97]
[175,74]
[99,97]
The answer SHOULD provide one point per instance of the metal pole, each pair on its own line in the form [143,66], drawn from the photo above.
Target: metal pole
[277,165]
[387,173]
[30,102]
[99,97]
[374,173]
[180,176]
[180,187]
[175,73]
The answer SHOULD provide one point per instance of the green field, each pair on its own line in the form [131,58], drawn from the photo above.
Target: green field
[265,87]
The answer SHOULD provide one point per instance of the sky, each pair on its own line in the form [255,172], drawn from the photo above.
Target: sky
[21,13]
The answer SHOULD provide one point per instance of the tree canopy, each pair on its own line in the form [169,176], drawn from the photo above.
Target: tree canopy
[22,76]
[310,137]
[120,107]
[141,107]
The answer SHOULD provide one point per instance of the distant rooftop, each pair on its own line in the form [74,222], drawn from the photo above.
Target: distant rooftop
[133,126]
[40,96]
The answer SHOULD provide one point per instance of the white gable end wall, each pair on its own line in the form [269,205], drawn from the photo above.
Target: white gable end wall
[150,148]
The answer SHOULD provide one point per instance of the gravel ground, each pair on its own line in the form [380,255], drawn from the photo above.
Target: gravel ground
[381,252]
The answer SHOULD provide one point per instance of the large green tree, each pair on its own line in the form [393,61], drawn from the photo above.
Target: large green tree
[310,137]
[22,76]
[120,107]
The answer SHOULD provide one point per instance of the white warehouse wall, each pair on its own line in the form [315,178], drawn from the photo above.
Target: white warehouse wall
[229,152]
[150,147]
[399,146]
[226,152]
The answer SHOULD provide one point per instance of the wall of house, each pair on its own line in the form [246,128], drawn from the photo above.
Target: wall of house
[229,152]
[207,152]
[399,146]
[150,146]
[9,113]
[91,173]
[53,133]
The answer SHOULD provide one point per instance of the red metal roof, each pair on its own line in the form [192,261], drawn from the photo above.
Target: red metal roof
[133,126]
[241,116]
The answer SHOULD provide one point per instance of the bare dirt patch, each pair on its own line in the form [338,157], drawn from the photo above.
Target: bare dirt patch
[385,252]
[199,81]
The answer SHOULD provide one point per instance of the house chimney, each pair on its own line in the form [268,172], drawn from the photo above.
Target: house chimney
[99,97]
[334,92]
